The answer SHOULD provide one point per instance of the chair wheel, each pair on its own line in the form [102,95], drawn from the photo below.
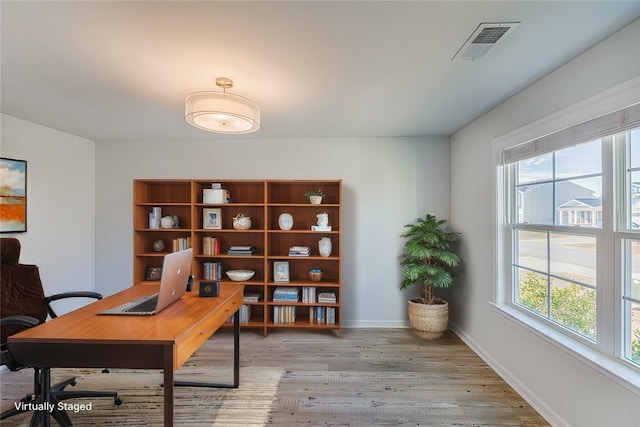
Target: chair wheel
[72,383]
[105,371]
[117,401]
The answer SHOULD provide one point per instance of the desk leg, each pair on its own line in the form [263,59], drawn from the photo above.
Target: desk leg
[44,375]
[236,362]
[236,349]
[168,389]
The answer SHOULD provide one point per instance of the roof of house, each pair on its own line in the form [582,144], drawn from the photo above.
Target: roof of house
[594,202]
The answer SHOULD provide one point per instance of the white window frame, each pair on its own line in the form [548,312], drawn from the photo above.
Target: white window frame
[605,355]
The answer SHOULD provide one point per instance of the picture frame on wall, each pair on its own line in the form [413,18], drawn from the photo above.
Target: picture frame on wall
[13,195]
[212,218]
[154,273]
[280,271]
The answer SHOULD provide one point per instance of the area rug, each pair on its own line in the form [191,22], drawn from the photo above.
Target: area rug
[141,391]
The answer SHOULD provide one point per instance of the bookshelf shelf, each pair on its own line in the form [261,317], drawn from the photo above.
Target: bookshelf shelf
[263,201]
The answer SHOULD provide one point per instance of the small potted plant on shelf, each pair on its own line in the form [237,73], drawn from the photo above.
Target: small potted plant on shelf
[427,262]
[314,196]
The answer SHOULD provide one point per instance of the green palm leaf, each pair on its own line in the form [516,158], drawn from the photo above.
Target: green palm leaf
[427,260]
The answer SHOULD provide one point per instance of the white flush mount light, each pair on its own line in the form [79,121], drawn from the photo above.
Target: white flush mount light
[222,112]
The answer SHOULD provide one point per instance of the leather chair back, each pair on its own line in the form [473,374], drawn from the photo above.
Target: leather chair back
[21,291]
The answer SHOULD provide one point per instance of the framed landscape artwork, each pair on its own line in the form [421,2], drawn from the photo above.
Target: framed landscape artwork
[13,195]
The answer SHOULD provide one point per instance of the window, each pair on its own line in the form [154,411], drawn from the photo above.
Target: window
[555,269]
[569,233]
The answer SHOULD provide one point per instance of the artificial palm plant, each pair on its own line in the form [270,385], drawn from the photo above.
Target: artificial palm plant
[427,260]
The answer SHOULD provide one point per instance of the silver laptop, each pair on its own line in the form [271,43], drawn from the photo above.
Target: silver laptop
[176,270]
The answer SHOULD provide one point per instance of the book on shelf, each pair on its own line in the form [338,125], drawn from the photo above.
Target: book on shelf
[316,315]
[299,251]
[284,314]
[286,294]
[210,245]
[327,297]
[252,297]
[245,314]
[212,270]
[181,243]
[308,294]
[241,250]
[322,315]
[331,315]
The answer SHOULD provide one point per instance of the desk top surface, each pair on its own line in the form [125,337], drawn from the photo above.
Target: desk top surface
[168,326]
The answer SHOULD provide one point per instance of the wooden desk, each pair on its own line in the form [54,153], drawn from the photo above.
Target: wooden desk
[85,339]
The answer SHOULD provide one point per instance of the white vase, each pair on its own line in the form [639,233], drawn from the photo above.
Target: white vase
[324,246]
[154,218]
[315,200]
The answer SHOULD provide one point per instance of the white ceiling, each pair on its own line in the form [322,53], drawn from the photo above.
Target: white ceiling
[121,70]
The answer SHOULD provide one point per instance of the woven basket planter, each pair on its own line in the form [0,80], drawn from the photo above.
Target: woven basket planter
[429,321]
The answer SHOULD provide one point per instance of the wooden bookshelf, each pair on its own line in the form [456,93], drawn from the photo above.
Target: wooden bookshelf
[263,201]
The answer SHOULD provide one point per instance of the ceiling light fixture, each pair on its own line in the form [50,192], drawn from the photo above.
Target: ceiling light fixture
[222,112]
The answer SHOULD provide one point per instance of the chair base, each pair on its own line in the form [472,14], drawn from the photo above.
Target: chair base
[52,395]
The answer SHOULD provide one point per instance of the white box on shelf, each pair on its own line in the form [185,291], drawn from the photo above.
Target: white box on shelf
[217,196]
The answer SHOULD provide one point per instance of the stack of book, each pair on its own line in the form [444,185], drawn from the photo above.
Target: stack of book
[252,297]
[286,294]
[212,270]
[210,246]
[299,251]
[327,297]
[309,294]
[241,250]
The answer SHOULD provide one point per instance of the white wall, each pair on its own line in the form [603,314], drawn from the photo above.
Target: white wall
[563,389]
[387,182]
[60,205]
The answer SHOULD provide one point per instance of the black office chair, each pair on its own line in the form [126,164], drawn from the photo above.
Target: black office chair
[23,305]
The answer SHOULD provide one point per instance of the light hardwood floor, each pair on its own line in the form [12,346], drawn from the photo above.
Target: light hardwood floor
[367,377]
[376,377]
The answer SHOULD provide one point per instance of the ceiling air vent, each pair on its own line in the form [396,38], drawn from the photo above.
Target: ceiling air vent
[484,38]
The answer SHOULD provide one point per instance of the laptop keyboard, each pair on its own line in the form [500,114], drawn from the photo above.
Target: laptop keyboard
[146,306]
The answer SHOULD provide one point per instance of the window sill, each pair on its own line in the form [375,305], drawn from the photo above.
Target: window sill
[613,369]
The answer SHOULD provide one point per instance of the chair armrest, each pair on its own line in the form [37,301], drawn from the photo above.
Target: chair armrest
[19,320]
[84,294]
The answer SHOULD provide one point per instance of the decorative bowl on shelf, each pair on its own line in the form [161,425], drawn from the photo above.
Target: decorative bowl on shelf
[315,274]
[241,222]
[240,275]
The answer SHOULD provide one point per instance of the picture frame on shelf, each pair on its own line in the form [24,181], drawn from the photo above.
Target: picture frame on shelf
[281,271]
[212,218]
[154,273]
